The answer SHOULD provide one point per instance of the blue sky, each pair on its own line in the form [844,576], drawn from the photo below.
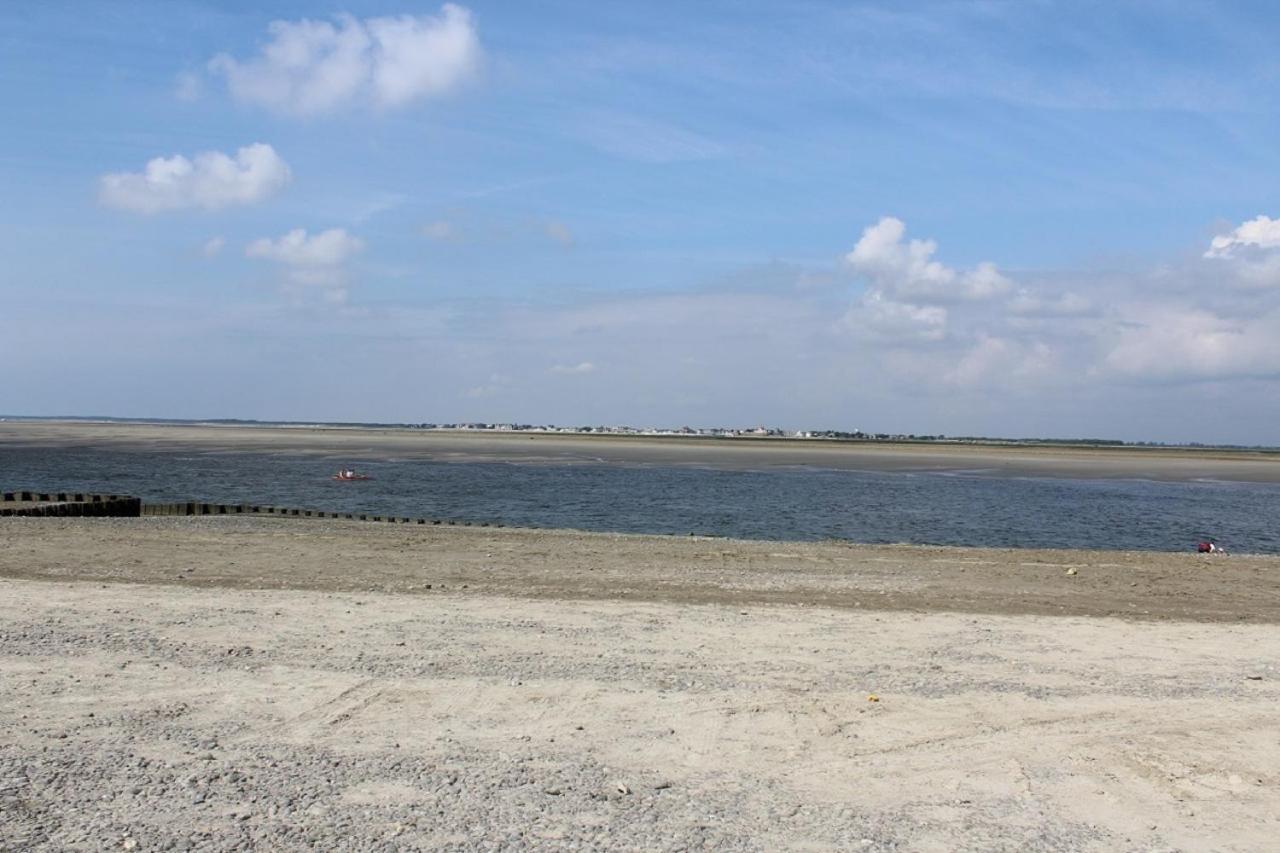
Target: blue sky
[958,217]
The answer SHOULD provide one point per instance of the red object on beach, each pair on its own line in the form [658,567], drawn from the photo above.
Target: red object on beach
[1205,547]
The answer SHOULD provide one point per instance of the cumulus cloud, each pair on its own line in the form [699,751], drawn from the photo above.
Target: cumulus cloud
[1251,251]
[911,299]
[906,271]
[314,261]
[211,180]
[326,249]
[935,326]
[1262,232]
[314,67]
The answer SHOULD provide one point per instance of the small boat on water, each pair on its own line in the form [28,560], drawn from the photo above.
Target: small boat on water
[350,474]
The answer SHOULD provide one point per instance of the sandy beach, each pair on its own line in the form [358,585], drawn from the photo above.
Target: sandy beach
[532,448]
[216,683]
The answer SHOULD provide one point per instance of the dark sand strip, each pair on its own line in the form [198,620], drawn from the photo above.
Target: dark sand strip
[342,556]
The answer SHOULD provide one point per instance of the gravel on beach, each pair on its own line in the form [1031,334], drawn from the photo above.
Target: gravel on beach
[223,684]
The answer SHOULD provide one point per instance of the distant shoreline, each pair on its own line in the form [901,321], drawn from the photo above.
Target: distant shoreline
[659,434]
[739,453]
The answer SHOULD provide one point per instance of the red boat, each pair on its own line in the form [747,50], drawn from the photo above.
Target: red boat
[350,474]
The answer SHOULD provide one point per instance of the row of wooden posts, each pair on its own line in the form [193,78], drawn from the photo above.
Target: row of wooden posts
[192,508]
[68,503]
[74,504]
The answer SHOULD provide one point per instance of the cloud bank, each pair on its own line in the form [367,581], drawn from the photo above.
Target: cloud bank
[211,180]
[1212,320]
[893,319]
[315,67]
[1179,352]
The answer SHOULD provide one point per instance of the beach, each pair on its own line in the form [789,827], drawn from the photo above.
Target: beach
[182,683]
[604,426]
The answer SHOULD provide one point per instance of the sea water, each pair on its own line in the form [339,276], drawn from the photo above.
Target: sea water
[791,503]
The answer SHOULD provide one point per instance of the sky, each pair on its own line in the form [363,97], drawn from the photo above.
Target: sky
[1028,218]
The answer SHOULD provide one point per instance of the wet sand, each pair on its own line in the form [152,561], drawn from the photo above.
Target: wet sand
[341,556]
[208,683]
[746,453]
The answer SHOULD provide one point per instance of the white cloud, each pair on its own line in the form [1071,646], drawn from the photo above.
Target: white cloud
[1063,352]
[1180,342]
[296,249]
[1262,232]
[572,369]
[877,316]
[994,360]
[909,295]
[1027,304]
[211,180]
[1252,251]
[421,56]
[313,262]
[984,282]
[906,272]
[1259,272]
[213,246]
[314,67]
[441,229]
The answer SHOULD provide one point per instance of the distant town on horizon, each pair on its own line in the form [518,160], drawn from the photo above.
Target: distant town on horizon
[719,432]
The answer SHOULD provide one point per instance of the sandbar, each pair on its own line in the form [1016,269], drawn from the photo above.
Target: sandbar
[1154,463]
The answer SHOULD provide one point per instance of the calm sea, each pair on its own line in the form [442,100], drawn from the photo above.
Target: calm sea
[774,503]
